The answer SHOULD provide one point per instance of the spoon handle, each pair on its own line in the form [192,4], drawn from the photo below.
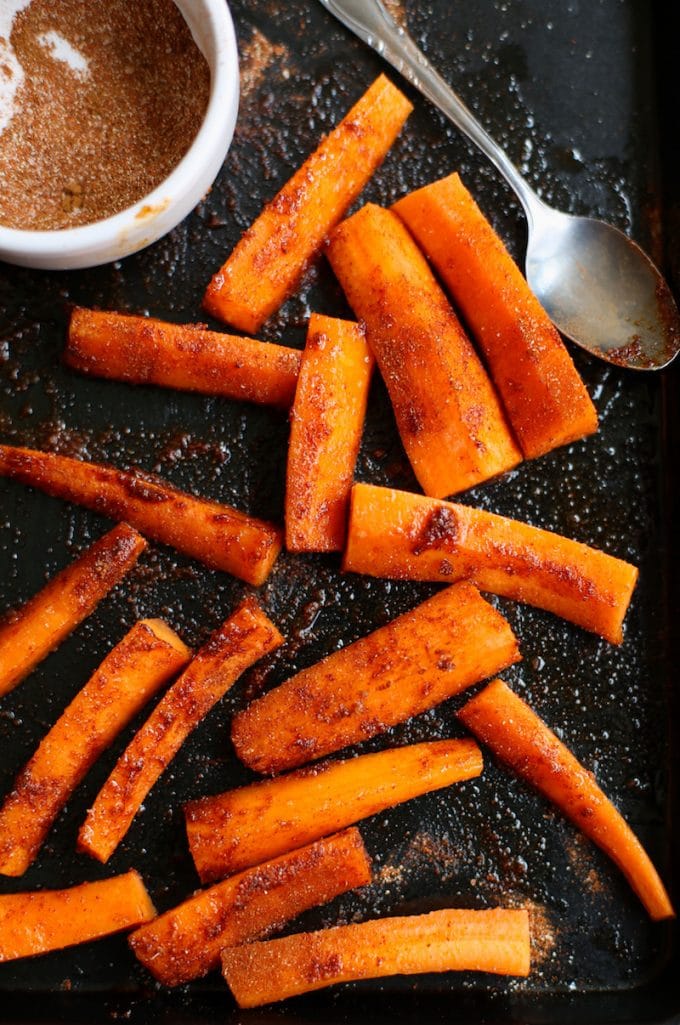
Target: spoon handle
[369,20]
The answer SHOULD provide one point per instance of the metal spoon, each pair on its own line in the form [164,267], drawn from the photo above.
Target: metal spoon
[599,288]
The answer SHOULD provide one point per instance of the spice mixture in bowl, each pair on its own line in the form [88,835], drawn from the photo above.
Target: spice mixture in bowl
[101,103]
[114,120]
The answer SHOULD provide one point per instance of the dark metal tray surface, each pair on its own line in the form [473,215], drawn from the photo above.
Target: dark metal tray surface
[571,89]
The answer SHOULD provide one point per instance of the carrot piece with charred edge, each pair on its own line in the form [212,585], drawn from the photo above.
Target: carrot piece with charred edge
[409,537]
[143,350]
[246,636]
[266,265]
[217,535]
[44,920]
[29,634]
[495,940]
[449,417]
[444,645]
[243,827]
[147,657]
[544,397]
[185,943]
[520,739]
[327,419]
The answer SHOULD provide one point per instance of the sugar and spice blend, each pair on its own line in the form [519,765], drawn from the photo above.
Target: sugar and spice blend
[99,101]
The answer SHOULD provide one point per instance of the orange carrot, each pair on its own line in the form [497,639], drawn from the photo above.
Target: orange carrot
[444,645]
[450,420]
[147,657]
[185,943]
[221,537]
[28,635]
[326,424]
[243,827]
[34,923]
[143,350]
[246,636]
[481,941]
[544,397]
[268,262]
[523,741]
[406,536]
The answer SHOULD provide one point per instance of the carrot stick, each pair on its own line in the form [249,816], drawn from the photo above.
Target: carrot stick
[405,536]
[221,537]
[444,645]
[326,424]
[185,943]
[450,420]
[544,397]
[523,741]
[147,657]
[268,262]
[35,923]
[243,827]
[143,350]
[246,636]
[28,635]
[495,941]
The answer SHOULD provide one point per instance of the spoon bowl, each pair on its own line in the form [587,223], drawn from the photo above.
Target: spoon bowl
[598,286]
[601,290]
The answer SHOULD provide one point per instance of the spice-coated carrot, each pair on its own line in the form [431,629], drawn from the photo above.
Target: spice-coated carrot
[495,941]
[405,536]
[523,741]
[44,920]
[449,417]
[268,262]
[544,397]
[221,537]
[28,635]
[444,645]
[185,943]
[143,350]
[246,636]
[243,827]
[147,657]
[327,419]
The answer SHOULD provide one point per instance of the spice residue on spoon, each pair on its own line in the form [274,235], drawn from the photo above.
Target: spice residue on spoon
[98,104]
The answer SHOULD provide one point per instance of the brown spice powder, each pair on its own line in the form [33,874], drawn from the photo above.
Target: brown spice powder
[84,144]
[257,55]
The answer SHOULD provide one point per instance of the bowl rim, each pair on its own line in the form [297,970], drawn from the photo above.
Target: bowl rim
[224,93]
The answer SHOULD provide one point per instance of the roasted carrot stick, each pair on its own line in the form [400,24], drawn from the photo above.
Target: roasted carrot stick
[405,536]
[28,635]
[449,417]
[481,941]
[523,741]
[243,827]
[221,537]
[327,419]
[444,645]
[544,397]
[185,943]
[269,260]
[34,923]
[143,350]
[147,657]
[246,636]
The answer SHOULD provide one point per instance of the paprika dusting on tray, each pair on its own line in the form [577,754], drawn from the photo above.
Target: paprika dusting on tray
[98,104]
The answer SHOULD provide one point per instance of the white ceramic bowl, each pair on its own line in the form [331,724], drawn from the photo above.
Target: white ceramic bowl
[158,212]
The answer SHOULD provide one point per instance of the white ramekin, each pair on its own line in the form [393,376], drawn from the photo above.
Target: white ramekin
[158,212]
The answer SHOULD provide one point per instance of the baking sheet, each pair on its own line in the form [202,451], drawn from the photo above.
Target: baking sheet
[569,89]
